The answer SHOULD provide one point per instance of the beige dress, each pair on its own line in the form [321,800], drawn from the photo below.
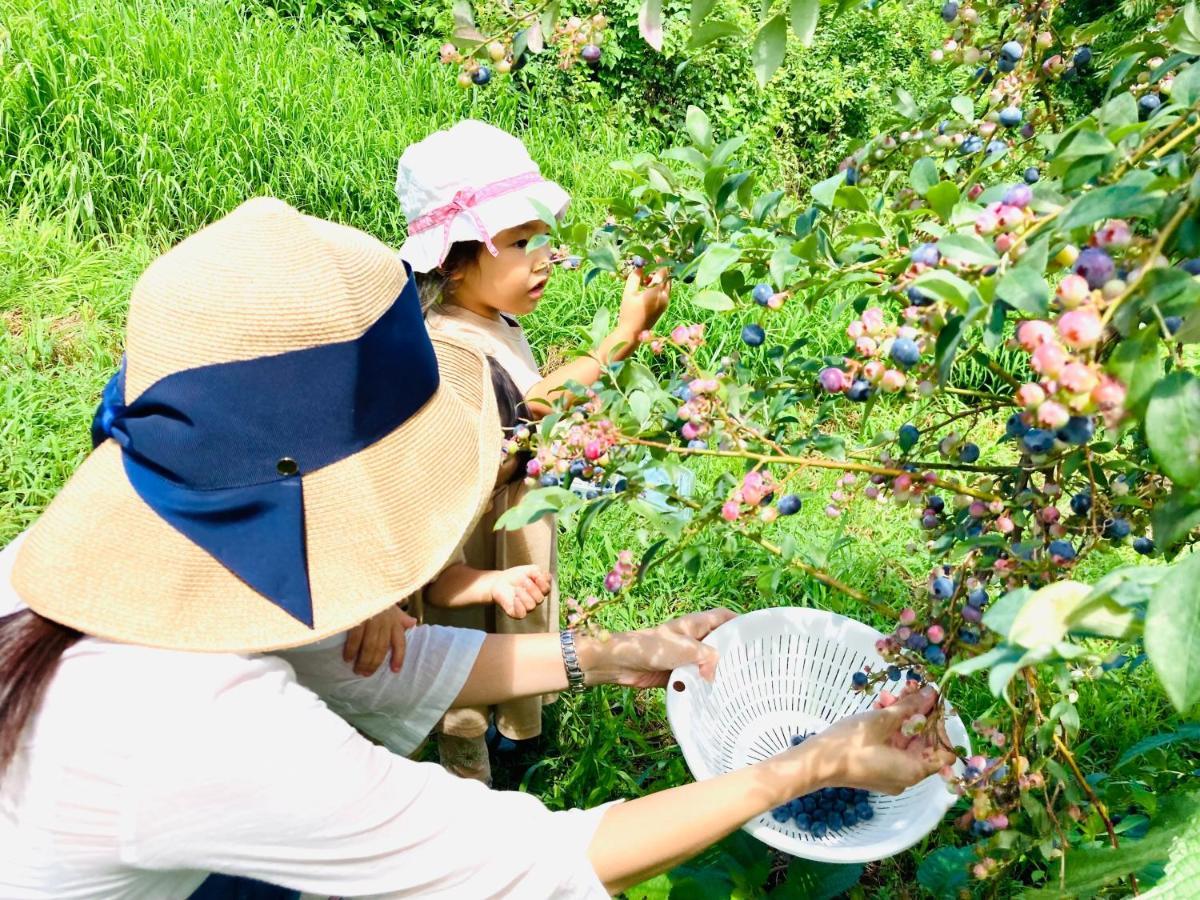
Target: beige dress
[485,548]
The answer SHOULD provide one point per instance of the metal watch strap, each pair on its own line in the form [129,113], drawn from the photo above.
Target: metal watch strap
[571,660]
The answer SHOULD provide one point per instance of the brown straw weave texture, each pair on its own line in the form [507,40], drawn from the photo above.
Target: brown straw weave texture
[379,524]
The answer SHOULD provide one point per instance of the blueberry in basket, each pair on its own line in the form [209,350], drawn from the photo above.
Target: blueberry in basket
[826,810]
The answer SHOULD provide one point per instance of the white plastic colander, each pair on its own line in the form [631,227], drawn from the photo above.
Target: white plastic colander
[787,671]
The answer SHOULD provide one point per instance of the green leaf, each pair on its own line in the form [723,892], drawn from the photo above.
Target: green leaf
[1173,632]
[904,104]
[650,23]
[700,11]
[983,661]
[823,191]
[1185,87]
[1183,31]
[714,261]
[1024,289]
[589,517]
[942,198]
[946,348]
[1103,203]
[714,300]
[850,197]
[1043,619]
[769,46]
[964,106]
[1136,363]
[999,616]
[649,556]
[706,33]
[1183,871]
[1129,586]
[967,248]
[1188,732]
[924,175]
[1175,517]
[810,880]
[536,504]
[945,871]
[945,286]
[804,19]
[699,128]
[1173,427]
[657,888]
[1083,143]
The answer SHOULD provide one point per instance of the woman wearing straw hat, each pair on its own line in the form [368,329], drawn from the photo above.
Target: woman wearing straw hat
[284,454]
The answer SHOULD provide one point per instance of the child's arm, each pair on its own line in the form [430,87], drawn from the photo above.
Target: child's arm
[640,309]
[516,591]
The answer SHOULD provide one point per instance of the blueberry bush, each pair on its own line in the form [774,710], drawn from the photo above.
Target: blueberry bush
[1021,282]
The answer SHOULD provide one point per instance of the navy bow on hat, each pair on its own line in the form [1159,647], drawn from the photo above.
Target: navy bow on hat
[220,451]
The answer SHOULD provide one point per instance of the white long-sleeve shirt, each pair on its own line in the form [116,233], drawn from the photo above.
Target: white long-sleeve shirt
[145,770]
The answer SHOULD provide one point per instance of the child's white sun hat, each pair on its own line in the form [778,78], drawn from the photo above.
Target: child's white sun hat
[468,183]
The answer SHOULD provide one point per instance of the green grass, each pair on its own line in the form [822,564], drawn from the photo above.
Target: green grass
[125,125]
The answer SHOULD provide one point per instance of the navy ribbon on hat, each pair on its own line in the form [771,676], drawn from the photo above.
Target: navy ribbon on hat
[220,451]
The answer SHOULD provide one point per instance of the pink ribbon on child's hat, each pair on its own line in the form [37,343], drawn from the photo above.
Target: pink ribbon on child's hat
[464,203]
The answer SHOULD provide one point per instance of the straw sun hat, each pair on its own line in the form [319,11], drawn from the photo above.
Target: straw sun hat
[468,183]
[284,454]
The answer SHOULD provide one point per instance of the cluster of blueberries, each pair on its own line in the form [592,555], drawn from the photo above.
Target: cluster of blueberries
[826,810]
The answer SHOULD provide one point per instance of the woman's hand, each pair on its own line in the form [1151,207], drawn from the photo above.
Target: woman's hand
[645,658]
[368,643]
[868,750]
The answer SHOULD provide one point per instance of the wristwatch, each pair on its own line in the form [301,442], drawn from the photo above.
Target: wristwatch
[571,660]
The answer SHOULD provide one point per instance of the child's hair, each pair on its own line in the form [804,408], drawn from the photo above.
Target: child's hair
[432,285]
[512,409]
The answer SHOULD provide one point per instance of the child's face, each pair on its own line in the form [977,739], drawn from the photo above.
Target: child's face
[512,281]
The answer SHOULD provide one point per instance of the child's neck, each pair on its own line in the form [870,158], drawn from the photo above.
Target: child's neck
[475,305]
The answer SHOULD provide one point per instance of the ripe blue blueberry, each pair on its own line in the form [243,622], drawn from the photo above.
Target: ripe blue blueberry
[820,829]
[968,453]
[577,467]
[1081,504]
[977,598]
[926,254]
[835,820]
[753,334]
[781,813]
[935,655]
[1011,116]
[590,54]
[697,444]
[1173,323]
[1095,266]
[1143,545]
[917,642]
[548,480]
[905,352]
[1062,549]
[983,75]
[929,521]
[893,673]
[1191,266]
[1018,195]
[1012,50]
[1037,441]
[909,435]
[851,175]
[762,293]
[1006,65]
[1149,104]
[936,503]
[859,679]
[949,11]
[638,262]
[789,505]
[995,148]
[860,390]
[1015,427]
[914,675]
[972,145]
[1116,529]
[482,76]
[1078,430]
[1082,58]
[967,636]
[942,587]
[917,298]
[1032,175]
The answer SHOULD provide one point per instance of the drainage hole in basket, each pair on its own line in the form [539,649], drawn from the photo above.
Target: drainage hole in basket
[679,686]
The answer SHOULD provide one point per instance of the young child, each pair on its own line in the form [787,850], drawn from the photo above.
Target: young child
[472,196]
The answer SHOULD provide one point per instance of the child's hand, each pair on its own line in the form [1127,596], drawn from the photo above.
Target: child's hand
[520,589]
[368,643]
[642,306]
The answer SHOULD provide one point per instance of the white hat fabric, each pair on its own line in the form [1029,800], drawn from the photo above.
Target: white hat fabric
[468,183]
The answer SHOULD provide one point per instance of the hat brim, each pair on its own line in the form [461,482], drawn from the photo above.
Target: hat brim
[423,252]
[378,525]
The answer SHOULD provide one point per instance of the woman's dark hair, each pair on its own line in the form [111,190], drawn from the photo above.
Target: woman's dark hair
[512,408]
[432,285]
[30,649]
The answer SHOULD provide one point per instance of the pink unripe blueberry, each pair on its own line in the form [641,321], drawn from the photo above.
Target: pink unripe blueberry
[976,189]
[1072,290]
[873,319]
[935,633]
[871,491]
[1077,378]
[901,483]
[1080,328]
[903,633]
[1004,242]
[874,369]
[832,511]
[768,514]
[1109,393]
[1011,216]
[533,468]
[1113,233]
[893,380]
[1004,525]
[1049,514]
[908,615]
[986,222]
[593,450]
[1048,359]
[1034,332]
[833,379]
[612,582]
[1052,414]
[1030,395]
[856,329]
[730,511]
[976,510]
[998,821]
